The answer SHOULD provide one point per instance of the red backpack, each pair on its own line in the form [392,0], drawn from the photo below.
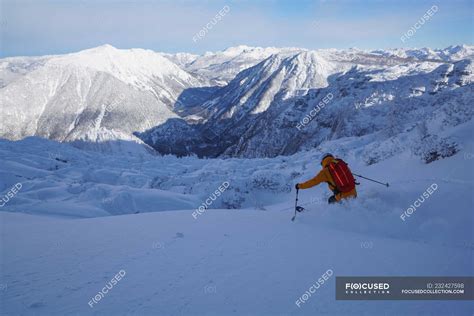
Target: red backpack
[342,175]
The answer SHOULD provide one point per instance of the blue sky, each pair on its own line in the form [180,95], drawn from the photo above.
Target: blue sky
[38,27]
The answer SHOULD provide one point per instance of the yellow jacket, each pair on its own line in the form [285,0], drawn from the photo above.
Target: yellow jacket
[325,176]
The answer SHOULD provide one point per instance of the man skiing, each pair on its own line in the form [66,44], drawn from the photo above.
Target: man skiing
[337,175]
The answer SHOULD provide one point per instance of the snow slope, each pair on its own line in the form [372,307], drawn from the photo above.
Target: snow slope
[251,261]
[60,247]
[225,263]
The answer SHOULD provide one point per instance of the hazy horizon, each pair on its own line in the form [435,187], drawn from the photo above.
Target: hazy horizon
[225,48]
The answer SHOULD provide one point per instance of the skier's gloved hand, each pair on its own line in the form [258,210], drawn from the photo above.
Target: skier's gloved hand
[297,186]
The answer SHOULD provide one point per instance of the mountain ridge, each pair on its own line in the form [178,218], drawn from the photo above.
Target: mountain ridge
[215,100]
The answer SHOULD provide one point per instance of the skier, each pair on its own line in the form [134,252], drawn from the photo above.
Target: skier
[337,175]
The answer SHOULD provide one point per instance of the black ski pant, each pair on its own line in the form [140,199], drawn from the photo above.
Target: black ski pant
[332,199]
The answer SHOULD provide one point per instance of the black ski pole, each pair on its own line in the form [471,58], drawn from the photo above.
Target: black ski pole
[296,203]
[357,175]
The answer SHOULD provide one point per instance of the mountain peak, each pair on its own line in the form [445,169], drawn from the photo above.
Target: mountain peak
[101,48]
[237,49]
[106,46]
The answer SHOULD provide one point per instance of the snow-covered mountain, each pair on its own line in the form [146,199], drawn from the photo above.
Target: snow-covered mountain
[451,53]
[258,113]
[233,108]
[277,77]
[222,66]
[243,101]
[95,95]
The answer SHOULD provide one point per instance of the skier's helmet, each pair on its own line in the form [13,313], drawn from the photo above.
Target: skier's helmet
[324,156]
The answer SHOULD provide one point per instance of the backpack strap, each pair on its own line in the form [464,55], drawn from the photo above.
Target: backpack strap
[333,184]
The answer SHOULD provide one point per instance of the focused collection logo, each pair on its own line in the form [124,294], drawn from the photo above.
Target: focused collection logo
[367,288]
[404,288]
